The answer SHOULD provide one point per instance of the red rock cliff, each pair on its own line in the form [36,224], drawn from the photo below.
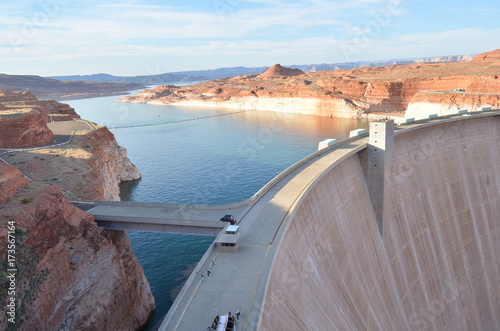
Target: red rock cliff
[11,180]
[24,128]
[109,163]
[72,274]
[23,119]
[51,109]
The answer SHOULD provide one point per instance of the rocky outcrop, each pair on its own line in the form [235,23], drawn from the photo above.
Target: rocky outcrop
[484,84]
[109,163]
[71,274]
[362,92]
[24,128]
[53,110]
[11,180]
[23,119]
[278,70]
[492,56]
[88,168]
[13,96]
[450,58]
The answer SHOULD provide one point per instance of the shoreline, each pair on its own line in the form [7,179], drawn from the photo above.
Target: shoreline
[315,107]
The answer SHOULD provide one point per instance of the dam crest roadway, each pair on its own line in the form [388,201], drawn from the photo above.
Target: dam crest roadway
[319,250]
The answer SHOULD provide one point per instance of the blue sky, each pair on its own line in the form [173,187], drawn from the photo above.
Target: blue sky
[64,37]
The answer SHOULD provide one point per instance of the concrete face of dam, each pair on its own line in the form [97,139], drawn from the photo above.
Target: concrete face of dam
[435,265]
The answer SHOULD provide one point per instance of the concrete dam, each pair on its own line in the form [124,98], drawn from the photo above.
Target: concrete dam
[430,262]
[396,231]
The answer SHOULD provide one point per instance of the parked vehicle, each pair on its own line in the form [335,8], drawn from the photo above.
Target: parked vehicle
[229,218]
[224,322]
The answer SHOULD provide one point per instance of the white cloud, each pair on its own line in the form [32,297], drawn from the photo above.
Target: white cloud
[314,30]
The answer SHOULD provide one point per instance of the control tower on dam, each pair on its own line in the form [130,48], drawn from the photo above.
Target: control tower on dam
[420,251]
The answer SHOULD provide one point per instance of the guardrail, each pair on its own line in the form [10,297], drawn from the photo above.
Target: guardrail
[459,114]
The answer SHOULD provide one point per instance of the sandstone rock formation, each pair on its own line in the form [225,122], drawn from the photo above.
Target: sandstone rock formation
[53,110]
[110,164]
[24,128]
[23,119]
[71,274]
[363,92]
[492,56]
[11,180]
[278,70]
[13,96]
[88,168]
[423,103]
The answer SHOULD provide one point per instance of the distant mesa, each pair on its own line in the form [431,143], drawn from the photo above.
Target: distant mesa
[492,56]
[278,70]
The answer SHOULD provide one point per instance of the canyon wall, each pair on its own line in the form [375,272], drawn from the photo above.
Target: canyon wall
[435,264]
[109,164]
[71,274]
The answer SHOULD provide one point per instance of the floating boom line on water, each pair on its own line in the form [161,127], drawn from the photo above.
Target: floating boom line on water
[179,121]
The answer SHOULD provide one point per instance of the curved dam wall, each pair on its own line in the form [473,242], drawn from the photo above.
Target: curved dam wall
[436,264]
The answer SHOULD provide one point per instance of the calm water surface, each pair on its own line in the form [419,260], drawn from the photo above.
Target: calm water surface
[207,160]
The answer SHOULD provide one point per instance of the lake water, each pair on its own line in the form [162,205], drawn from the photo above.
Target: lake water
[205,156]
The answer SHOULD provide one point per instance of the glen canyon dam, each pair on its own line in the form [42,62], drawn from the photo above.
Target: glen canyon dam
[398,231]
[433,262]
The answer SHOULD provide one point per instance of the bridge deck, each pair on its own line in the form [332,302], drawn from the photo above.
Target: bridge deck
[171,218]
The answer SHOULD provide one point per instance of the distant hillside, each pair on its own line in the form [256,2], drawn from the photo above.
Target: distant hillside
[143,80]
[47,88]
[168,78]
[204,75]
